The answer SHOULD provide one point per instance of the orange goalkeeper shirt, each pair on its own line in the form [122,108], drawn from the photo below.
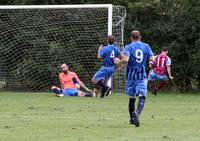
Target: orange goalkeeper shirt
[66,80]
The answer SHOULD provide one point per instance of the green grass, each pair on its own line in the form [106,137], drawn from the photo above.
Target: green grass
[43,117]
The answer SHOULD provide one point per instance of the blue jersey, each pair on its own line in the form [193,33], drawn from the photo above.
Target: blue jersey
[138,53]
[108,53]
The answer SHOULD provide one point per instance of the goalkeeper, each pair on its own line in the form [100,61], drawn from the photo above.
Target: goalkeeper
[70,83]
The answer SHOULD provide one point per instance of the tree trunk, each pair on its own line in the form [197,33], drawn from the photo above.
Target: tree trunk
[188,84]
[198,81]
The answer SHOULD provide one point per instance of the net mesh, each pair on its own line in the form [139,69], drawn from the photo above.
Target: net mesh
[35,42]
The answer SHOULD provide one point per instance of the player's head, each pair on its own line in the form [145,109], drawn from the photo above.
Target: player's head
[64,68]
[111,39]
[135,35]
[164,50]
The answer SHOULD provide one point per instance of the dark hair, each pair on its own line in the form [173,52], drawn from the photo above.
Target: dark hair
[164,48]
[111,39]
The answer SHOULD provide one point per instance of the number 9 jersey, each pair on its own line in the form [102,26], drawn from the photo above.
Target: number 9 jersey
[138,53]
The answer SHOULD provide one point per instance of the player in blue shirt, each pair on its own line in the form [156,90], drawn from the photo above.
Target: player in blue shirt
[137,54]
[106,54]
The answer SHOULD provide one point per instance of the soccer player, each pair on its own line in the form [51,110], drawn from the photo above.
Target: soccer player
[160,67]
[136,56]
[106,54]
[69,81]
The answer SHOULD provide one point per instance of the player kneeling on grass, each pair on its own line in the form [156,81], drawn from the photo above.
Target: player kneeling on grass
[160,67]
[69,82]
[107,54]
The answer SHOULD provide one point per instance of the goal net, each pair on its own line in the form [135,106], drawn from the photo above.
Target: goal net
[36,40]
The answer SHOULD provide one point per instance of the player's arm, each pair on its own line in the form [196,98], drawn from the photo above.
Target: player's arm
[152,58]
[124,58]
[61,83]
[169,68]
[120,56]
[169,72]
[81,83]
[151,61]
[100,53]
[151,64]
[151,54]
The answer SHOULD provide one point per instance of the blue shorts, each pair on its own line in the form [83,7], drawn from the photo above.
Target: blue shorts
[70,92]
[153,76]
[136,87]
[104,73]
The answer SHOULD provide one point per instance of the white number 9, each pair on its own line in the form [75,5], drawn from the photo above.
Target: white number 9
[139,56]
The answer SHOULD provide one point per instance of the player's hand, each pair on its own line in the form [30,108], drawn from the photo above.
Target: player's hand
[116,60]
[120,66]
[78,86]
[171,77]
[150,66]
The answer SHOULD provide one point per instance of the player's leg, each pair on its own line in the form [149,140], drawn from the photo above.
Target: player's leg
[151,82]
[152,87]
[95,91]
[140,105]
[103,89]
[130,91]
[161,85]
[141,89]
[107,76]
[98,80]
[58,92]
[70,92]
[100,83]
[162,81]
[76,92]
[83,94]
[108,89]
[131,108]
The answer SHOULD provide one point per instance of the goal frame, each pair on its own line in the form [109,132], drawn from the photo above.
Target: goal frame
[108,6]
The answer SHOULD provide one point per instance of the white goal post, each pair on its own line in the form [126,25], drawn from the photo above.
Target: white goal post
[115,26]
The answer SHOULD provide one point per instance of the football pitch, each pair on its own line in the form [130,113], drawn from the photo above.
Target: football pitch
[43,117]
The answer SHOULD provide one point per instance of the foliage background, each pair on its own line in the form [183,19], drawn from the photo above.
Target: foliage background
[171,23]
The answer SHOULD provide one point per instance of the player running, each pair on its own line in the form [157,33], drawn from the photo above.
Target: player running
[68,81]
[136,56]
[160,67]
[106,54]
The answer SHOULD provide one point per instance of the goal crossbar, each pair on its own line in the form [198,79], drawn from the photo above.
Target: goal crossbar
[55,6]
[109,6]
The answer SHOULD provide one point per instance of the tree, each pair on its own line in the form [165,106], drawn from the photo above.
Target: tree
[170,23]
